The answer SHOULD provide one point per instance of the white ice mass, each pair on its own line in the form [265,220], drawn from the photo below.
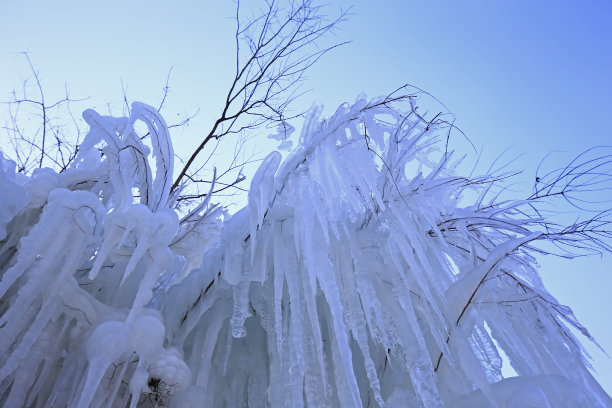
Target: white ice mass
[349,280]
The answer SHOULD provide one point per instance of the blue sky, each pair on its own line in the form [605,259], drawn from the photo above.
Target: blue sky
[526,75]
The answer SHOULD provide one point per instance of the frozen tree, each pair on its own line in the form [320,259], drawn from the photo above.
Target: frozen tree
[366,270]
[348,280]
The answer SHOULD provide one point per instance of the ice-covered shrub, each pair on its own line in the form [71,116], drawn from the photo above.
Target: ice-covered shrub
[350,279]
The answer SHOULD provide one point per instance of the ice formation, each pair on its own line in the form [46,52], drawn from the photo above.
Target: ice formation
[347,281]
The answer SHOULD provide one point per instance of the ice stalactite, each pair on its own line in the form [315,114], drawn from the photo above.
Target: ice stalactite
[349,280]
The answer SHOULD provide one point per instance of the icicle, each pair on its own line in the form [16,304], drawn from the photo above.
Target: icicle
[205,357]
[329,287]
[232,243]
[25,375]
[241,309]
[107,344]
[260,194]
[280,256]
[137,383]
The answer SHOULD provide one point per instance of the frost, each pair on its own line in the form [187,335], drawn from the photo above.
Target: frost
[358,275]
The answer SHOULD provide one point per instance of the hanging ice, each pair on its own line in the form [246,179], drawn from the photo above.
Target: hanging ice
[348,281]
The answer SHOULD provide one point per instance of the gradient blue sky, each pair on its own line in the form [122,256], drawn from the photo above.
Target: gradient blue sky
[531,75]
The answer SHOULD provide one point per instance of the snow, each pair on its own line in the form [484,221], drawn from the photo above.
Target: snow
[350,279]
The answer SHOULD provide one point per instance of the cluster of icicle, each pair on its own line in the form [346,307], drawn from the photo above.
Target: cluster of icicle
[349,280]
[80,258]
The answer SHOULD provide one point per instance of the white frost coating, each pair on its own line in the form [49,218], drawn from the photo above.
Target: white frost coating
[350,280]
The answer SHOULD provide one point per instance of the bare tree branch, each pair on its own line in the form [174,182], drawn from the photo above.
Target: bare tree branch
[274,49]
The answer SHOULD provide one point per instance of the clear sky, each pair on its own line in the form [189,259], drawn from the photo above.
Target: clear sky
[531,75]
